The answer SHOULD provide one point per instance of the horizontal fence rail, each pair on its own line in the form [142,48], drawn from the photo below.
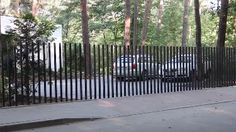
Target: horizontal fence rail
[49,72]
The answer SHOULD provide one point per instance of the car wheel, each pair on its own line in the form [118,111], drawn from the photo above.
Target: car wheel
[193,76]
[144,75]
[163,79]
[208,73]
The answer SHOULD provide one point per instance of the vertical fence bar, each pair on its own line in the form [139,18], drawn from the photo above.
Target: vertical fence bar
[146,80]
[213,66]
[162,70]
[50,72]
[76,70]
[61,69]
[2,77]
[81,72]
[94,72]
[210,66]
[9,68]
[27,73]
[166,69]
[143,63]
[33,71]
[172,67]
[175,61]
[234,66]
[175,67]
[155,68]
[136,70]
[188,68]
[112,71]
[134,66]
[204,62]
[120,71]
[21,75]
[55,71]
[39,72]
[180,60]
[85,75]
[103,72]
[229,67]
[191,67]
[147,69]
[139,67]
[226,59]
[70,65]
[90,72]
[99,73]
[44,74]
[116,69]
[186,87]
[129,68]
[66,81]
[124,69]
[15,75]
[158,68]
[108,71]
[150,62]
[174,74]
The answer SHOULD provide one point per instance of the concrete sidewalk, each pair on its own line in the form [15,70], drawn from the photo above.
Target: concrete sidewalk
[52,114]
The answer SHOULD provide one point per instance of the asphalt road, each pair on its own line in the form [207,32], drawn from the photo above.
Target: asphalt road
[220,117]
[108,87]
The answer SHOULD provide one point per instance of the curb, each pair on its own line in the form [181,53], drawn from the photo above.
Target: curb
[45,123]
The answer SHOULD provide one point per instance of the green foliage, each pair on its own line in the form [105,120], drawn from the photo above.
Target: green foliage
[106,22]
[29,33]
[29,29]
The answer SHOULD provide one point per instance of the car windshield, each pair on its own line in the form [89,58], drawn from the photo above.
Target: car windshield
[182,59]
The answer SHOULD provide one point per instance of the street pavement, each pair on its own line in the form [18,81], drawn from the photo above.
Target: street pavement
[106,87]
[207,110]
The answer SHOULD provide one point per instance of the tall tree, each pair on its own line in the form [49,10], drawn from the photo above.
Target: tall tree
[16,8]
[85,33]
[198,39]
[221,38]
[135,22]
[127,23]
[222,23]
[185,22]
[35,7]
[160,15]
[148,6]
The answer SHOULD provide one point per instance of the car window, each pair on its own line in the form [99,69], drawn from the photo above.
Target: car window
[126,59]
[145,59]
[182,59]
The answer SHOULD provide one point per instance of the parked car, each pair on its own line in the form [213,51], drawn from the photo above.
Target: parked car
[183,66]
[135,67]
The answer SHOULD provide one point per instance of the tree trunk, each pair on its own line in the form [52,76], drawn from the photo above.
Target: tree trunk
[127,23]
[185,22]
[222,23]
[160,15]
[85,34]
[221,39]
[198,40]
[17,8]
[35,6]
[135,34]
[148,6]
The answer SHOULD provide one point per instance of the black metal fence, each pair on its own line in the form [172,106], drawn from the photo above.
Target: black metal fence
[45,73]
